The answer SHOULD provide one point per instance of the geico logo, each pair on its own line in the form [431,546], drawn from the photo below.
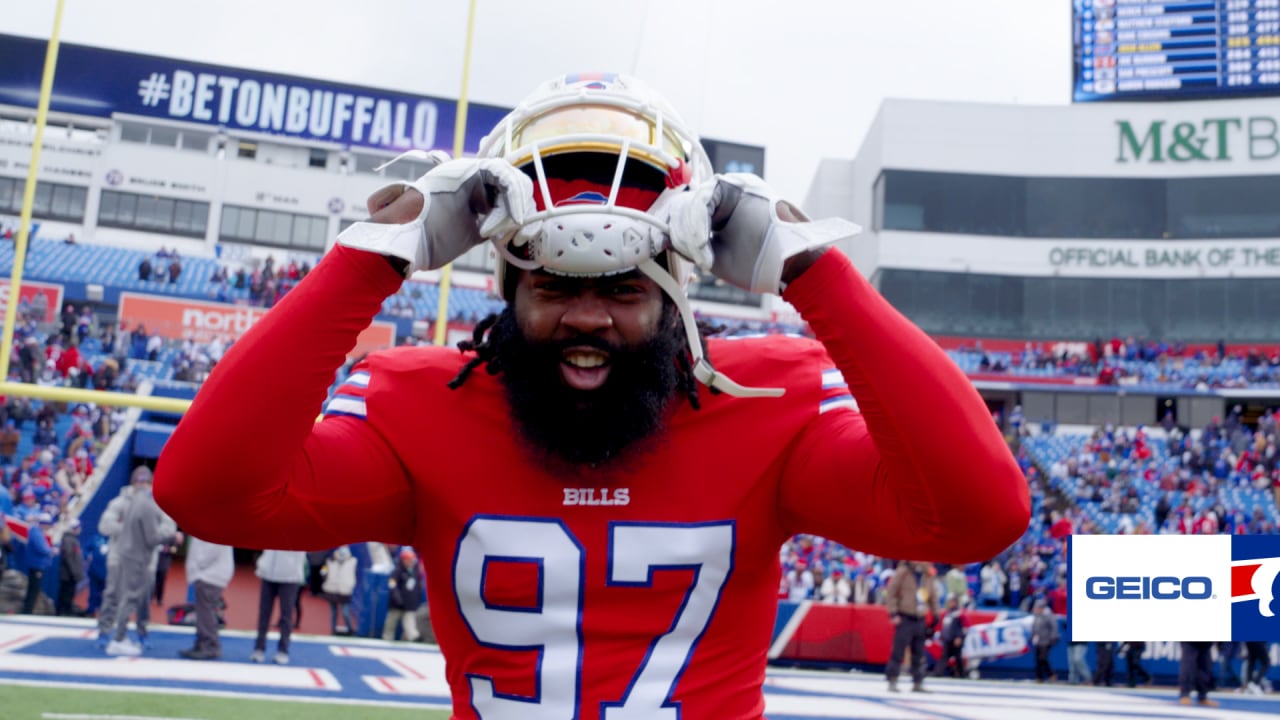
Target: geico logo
[226,320]
[1163,587]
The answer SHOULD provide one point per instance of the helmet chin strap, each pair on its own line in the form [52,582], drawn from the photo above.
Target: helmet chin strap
[702,369]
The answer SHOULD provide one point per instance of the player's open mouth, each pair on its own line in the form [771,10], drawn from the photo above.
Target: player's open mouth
[584,368]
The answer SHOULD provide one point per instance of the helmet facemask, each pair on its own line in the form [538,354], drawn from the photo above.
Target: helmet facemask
[604,157]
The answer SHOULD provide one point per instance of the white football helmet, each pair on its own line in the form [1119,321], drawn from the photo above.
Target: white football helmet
[605,153]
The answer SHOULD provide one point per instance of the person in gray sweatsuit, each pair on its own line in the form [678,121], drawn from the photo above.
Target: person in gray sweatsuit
[144,530]
[109,527]
[1044,635]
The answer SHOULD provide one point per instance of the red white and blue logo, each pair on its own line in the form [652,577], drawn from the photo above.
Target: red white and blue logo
[1255,587]
[591,81]
[586,197]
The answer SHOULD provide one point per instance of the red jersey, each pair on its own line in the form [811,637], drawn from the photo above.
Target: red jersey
[648,590]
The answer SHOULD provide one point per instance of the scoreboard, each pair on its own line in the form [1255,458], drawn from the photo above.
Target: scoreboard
[1146,49]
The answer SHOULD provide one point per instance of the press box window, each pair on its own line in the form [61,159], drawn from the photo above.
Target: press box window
[167,137]
[153,213]
[196,141]
[1058,308]
[272,227]
[1079,207]
[53,201]
[133,133]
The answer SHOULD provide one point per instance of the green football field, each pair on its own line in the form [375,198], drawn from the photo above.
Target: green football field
[24,702]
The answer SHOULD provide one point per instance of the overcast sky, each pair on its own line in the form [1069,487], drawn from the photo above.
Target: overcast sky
[804,81]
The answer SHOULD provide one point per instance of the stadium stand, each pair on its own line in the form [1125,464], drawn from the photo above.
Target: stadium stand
[1217,479]
[1142,365]
[1113,480]
[116,270]
[1134,364]
[1223,478]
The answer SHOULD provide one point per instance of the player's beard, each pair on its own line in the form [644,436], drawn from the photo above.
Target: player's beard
[588,429]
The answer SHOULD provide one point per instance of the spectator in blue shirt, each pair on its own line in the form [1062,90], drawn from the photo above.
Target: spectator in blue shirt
[39,557]
[29,509]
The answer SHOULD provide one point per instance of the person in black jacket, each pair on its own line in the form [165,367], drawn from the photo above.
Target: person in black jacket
[70,318]
[71,571]
[953,631]
[30,362]
[404,598]
[1195,673]
[164,559]
[1103,673]
[1256,666]
[1138,675]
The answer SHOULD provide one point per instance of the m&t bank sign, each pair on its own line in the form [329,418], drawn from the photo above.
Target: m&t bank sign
[1210,140]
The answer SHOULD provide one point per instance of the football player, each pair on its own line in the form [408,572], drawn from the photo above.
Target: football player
[597,493]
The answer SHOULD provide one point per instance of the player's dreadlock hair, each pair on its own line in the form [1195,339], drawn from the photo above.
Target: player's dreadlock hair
[490,334]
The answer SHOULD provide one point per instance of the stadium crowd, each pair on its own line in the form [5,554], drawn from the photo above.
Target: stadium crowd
[1220,479]
[1132,361]
[256,284]
[1223,478]
[1125,361]
[48,449]
[1115,472]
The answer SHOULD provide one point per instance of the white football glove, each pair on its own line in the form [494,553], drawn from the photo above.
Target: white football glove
[730,226]
[465,202]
